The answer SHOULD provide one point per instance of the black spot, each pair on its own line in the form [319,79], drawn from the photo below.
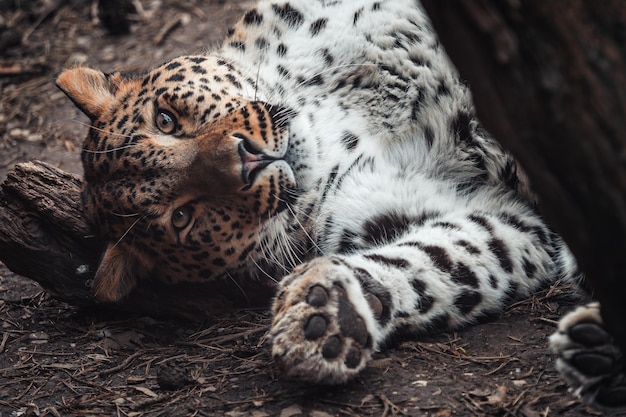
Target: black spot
[376,6]
[246,251]
[347,241]
[385,228]
[529,268]
[442,90]
[460,127]
[196,59]
[288,14]
[172,65]
[261,43]
[462,274]
[198,69]
[508,174]
[122,121]
[281,49]
[357,16]
[332,177]
[349,140]
[499,248]
[219,262]
[467,301]
[252,17]
[238,45]
[311,81]
[328,58]
[514,221]
[446,225]
[233,80]
[200,256]
[175,78]
[318,25]
[440,322]
[481,221]
[282,71]
[439,256]
[512,292]
[424,300]
[471,249]
[385,260]
[545,236]
[493,281]
[429,135]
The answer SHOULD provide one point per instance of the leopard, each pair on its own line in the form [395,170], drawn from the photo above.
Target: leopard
[331,148]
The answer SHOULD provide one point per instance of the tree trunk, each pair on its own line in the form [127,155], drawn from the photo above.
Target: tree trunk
[44,236]
[549,82]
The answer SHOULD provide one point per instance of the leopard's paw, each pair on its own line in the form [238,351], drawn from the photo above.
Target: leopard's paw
[323,329]
[588,359]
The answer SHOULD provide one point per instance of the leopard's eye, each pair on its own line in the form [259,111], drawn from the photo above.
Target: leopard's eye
[181,217]
[166,122]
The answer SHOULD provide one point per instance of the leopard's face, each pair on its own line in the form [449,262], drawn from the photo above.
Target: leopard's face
[181,173]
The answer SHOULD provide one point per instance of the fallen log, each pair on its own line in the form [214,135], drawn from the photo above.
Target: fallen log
[45,237]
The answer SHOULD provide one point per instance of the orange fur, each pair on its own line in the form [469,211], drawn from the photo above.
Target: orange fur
[117,274]
[91,90]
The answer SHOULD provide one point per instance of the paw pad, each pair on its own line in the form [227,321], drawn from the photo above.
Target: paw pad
[317,297]
[332,347]
[589,334]
[593,364]
[315,327]
[614,397]
[353,357]
[350,323]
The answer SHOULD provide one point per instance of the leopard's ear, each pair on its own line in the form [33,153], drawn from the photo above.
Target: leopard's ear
[117,274]
[91,90]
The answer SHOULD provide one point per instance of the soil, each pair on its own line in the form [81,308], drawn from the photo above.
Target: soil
[56,359]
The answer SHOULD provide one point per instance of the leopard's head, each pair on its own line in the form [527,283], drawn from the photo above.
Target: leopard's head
[181,172]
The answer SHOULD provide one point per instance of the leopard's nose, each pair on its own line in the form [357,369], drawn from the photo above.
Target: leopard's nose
[253,159]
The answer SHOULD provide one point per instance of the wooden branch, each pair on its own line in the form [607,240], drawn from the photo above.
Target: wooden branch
[44,236]
[551,86]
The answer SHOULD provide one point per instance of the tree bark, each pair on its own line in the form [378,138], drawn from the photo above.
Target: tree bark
[44,236]
[549,82]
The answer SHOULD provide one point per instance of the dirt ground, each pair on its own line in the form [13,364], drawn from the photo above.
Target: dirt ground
[58,360]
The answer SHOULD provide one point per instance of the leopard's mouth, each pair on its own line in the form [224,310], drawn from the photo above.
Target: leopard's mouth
[253,160]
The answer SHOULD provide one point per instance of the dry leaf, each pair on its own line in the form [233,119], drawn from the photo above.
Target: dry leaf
[292,410]
[147,391]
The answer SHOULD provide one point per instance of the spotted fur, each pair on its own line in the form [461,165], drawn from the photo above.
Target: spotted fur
[328,145]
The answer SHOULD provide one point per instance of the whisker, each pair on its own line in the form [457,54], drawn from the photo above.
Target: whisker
[109,150]
[263,271]
[306,233]
[128,230]
[102,130]
[238,286]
